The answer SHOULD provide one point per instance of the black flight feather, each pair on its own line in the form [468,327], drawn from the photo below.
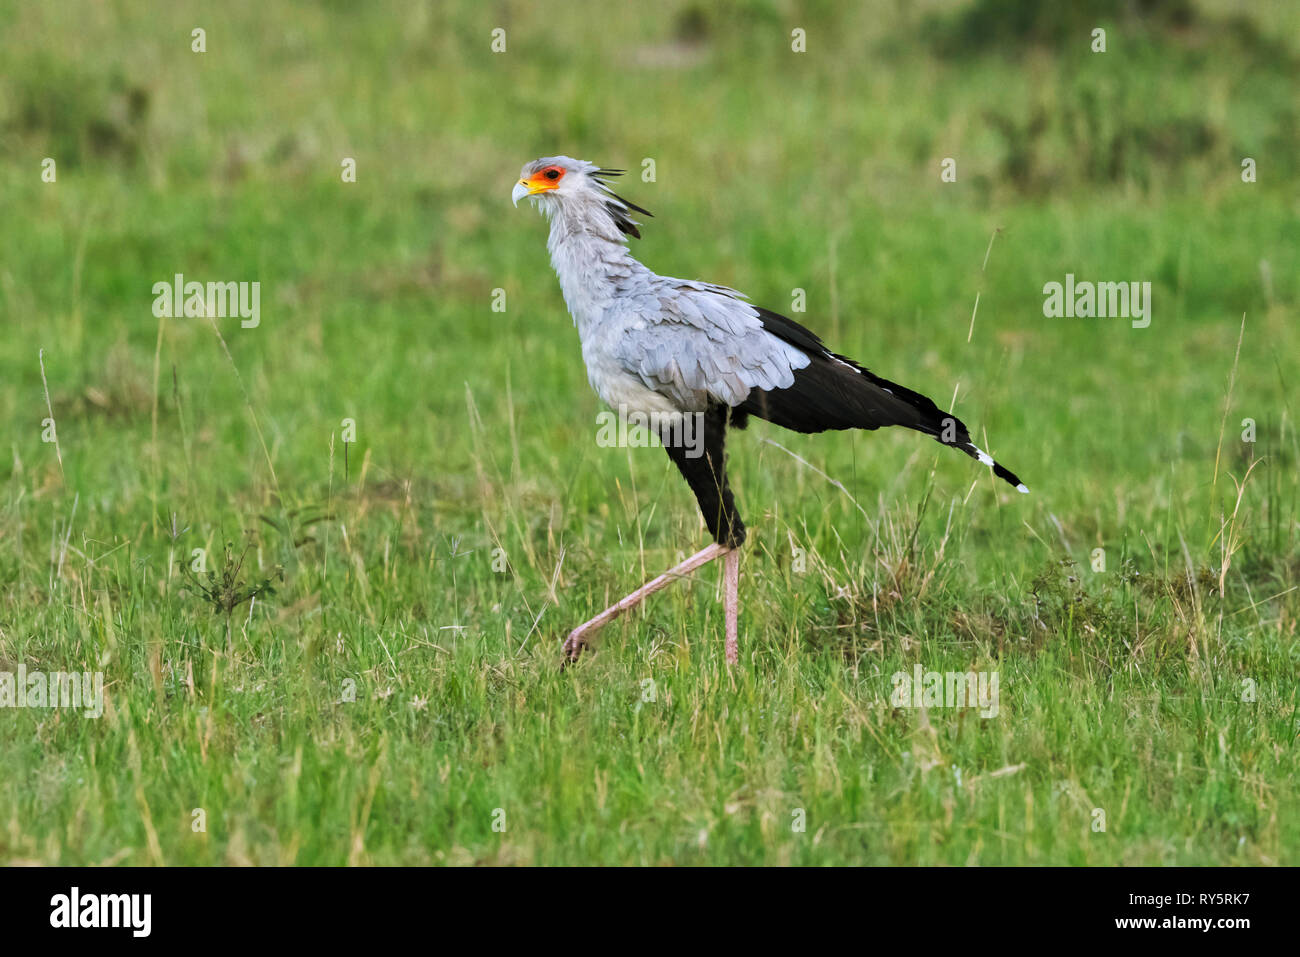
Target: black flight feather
[833,392]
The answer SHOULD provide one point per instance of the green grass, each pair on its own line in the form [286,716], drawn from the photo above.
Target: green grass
[1120,691]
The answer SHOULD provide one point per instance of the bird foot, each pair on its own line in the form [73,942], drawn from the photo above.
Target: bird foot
[576,642]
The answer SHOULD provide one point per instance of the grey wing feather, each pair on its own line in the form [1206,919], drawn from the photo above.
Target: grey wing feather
[695,343]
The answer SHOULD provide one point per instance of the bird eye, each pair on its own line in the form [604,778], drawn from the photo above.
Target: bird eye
[552,173]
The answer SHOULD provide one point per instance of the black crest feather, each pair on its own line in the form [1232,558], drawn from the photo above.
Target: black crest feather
[619,206]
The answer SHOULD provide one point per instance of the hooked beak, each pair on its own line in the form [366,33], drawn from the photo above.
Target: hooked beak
[519,192]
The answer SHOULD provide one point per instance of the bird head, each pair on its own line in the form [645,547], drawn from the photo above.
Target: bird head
[559,183]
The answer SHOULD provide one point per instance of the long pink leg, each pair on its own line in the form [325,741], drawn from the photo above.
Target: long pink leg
[731,603]
[577,639]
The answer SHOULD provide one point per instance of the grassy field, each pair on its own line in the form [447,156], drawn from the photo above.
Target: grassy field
[392,693]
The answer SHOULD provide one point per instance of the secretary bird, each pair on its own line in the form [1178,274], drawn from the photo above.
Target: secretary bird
[667,348]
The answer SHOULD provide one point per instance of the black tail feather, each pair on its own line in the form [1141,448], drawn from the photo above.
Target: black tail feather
[833,393]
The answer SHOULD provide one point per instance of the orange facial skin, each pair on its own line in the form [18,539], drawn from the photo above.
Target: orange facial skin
[543,180]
